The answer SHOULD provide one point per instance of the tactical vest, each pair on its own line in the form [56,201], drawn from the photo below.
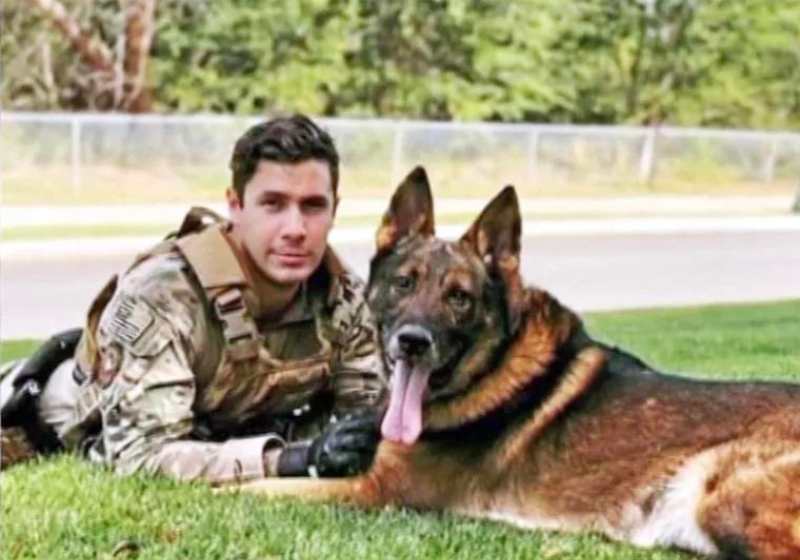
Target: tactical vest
[249,381]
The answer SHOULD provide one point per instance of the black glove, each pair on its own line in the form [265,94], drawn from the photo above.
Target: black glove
[345,448]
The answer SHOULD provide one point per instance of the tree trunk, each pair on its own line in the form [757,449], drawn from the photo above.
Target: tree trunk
[139,29]
[128,70]
[94,52]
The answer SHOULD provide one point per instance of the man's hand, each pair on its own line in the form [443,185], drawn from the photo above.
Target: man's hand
[346,448]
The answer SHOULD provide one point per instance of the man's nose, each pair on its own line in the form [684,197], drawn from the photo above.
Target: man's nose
[294,224]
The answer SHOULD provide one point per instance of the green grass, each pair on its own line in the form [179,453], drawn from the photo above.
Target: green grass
[64,508]
[730,341]
[13,349]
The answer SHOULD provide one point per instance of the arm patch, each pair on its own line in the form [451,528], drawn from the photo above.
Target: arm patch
[131,322]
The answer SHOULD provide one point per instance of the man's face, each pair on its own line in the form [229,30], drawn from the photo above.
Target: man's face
[284,218]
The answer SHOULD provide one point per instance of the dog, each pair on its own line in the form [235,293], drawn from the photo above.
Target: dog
[501,406]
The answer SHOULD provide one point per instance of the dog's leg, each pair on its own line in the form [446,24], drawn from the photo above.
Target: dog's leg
[754,512]
[359,491]
[386,483]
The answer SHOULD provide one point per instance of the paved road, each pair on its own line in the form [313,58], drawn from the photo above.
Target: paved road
[587,272]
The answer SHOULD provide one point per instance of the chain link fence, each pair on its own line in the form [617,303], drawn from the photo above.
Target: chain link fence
[104,158]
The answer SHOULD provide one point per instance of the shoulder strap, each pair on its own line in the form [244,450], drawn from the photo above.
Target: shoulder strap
[202,243]
[196,219]
[214,263]
[212,259]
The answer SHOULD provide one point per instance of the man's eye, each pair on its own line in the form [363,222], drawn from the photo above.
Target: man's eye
[459,300]
[316,205]
[402,283]
[272,204]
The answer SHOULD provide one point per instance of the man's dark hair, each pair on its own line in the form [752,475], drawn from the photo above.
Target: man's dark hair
[283,140]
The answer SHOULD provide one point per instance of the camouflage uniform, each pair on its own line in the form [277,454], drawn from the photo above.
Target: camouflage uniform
[182,380]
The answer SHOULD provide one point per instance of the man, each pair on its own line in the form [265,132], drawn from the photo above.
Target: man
[222,353]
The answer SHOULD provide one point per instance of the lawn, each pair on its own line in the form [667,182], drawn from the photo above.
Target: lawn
[63,508]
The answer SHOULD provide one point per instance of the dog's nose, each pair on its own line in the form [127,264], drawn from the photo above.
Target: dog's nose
[413,344]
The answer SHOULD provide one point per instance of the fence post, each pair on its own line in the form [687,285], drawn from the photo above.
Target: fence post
[76,155]
[769,164]
[647,161]
[397,153]
[533,153]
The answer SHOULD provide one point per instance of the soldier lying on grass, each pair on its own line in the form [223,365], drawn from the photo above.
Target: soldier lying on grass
[227,351]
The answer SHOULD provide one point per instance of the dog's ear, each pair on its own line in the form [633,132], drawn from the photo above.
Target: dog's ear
[410,211]
[495,237]
[495,234]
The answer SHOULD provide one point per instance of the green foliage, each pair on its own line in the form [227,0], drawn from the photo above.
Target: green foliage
[711,62]
[33,59]
[39,70]
[689,62]
[63,508]
[248,57]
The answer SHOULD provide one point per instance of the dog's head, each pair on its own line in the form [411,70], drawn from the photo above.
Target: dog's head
[444,309]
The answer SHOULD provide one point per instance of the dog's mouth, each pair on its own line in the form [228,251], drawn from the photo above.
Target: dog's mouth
[441,376]
[410,382]
[403,419]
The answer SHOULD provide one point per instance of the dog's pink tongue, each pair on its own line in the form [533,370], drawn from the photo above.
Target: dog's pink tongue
[403,420]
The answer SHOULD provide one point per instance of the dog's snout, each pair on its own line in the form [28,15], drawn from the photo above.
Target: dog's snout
[413,341]
[413,344]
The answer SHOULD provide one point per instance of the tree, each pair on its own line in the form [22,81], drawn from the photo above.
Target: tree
[100,77]
[689,62]
[445,59]
[699,62]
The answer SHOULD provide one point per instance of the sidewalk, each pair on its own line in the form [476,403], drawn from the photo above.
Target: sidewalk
[73,248]
[551,217]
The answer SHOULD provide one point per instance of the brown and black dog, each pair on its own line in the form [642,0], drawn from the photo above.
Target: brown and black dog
[502,407]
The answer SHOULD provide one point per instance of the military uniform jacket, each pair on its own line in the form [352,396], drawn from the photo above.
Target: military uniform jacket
[186,382]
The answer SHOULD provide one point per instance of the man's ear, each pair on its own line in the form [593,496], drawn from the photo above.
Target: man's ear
[495,237]
[410,211]
[234,204]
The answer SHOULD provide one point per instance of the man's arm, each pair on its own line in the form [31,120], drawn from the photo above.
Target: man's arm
[147,419]
[347,446]
[358,374]
[150,336]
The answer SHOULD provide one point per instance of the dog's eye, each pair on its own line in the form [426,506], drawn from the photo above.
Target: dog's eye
[402,283]
[459,300]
